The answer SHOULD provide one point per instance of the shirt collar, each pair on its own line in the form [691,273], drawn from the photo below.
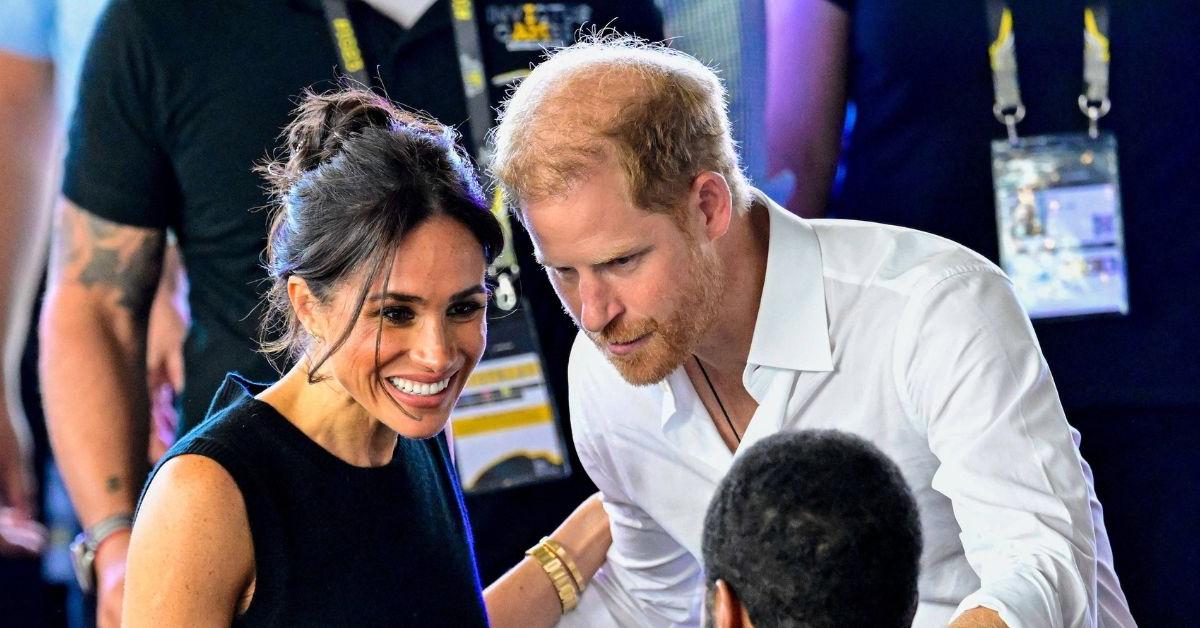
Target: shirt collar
[792,329]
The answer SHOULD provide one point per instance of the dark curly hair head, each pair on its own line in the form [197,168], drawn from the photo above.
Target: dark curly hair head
[816,529]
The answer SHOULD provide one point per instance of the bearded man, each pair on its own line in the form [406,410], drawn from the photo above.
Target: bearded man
[711,318]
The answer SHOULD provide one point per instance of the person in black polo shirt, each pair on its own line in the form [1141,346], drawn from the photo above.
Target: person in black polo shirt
[178,101]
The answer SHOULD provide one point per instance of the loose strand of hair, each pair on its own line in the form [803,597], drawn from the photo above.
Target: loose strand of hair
[360,300]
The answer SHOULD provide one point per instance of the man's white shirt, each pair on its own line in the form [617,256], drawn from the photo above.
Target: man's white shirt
[910,341]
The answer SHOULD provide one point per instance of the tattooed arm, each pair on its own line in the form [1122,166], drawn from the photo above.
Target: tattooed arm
[93,330]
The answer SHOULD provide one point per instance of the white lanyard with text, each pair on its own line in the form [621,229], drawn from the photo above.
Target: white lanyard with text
[1058,207]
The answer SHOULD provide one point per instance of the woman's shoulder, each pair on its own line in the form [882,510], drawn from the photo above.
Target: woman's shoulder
[224,450]
[191,527]
[193,481]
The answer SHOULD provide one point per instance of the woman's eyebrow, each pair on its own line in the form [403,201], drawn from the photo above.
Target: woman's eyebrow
[412,298]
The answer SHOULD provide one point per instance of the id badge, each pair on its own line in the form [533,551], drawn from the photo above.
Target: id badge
[1058,210]
[506,432]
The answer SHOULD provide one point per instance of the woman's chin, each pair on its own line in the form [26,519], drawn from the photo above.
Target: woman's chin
[430,423]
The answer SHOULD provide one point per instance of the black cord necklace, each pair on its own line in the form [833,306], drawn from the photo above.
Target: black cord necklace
[718,398]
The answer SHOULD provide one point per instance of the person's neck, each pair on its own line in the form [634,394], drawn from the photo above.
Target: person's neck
[743,251]
[331,418]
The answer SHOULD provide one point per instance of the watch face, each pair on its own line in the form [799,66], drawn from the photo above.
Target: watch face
[81,560]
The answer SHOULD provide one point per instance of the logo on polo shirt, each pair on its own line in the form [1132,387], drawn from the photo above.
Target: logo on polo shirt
[532,26]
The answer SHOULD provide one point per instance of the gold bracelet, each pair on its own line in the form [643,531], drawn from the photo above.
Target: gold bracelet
[562,555]
[560,578]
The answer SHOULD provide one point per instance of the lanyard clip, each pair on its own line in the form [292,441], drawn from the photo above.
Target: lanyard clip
[1094,110]
[1009,117]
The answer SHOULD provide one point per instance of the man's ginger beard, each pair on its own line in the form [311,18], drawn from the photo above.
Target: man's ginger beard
[672,341]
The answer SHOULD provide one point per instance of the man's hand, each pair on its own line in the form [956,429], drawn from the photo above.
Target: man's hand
[17,484]
[20,534]
[168,327]
[110,579]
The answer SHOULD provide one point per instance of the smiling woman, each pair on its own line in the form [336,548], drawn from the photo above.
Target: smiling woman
[291,497]
[377,253]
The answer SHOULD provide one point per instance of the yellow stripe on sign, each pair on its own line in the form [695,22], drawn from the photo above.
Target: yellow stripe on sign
[491,377]
[513,419]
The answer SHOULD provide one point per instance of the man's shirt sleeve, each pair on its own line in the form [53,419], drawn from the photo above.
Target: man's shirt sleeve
[27,28]
[117,166]
[970,369]
[649,579]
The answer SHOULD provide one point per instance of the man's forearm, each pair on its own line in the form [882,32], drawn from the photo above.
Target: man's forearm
[93,365]
[94,392]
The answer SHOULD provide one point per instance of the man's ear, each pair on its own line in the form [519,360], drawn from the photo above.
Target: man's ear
[305,304]
[710,195]
[727,610]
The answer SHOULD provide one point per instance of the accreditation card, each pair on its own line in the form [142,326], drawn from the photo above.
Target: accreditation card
[1058,211]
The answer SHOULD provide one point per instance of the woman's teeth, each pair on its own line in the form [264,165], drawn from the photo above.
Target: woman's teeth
[418,388]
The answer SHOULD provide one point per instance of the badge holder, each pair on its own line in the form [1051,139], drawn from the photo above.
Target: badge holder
[1058,210]
[1058,202]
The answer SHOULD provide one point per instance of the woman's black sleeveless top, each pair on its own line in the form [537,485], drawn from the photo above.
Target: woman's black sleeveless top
[336,544]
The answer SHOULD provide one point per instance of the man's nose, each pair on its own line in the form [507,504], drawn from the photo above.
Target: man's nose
[597,305]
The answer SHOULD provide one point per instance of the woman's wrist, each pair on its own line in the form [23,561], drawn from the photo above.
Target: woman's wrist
[585,537]
[566,586]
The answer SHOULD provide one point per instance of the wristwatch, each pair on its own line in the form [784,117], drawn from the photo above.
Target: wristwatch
[83,549]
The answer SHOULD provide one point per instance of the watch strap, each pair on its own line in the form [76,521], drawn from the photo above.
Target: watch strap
[107,527]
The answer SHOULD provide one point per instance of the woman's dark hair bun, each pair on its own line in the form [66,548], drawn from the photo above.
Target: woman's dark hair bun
[320,126]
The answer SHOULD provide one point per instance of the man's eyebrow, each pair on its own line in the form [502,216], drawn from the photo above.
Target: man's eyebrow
[614,253]
[412,298]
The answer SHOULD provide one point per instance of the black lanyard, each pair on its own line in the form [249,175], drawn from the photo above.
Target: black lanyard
[1002,55]
[469,45]
[345,41]
[470,61]
[469,48]
[470,58]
